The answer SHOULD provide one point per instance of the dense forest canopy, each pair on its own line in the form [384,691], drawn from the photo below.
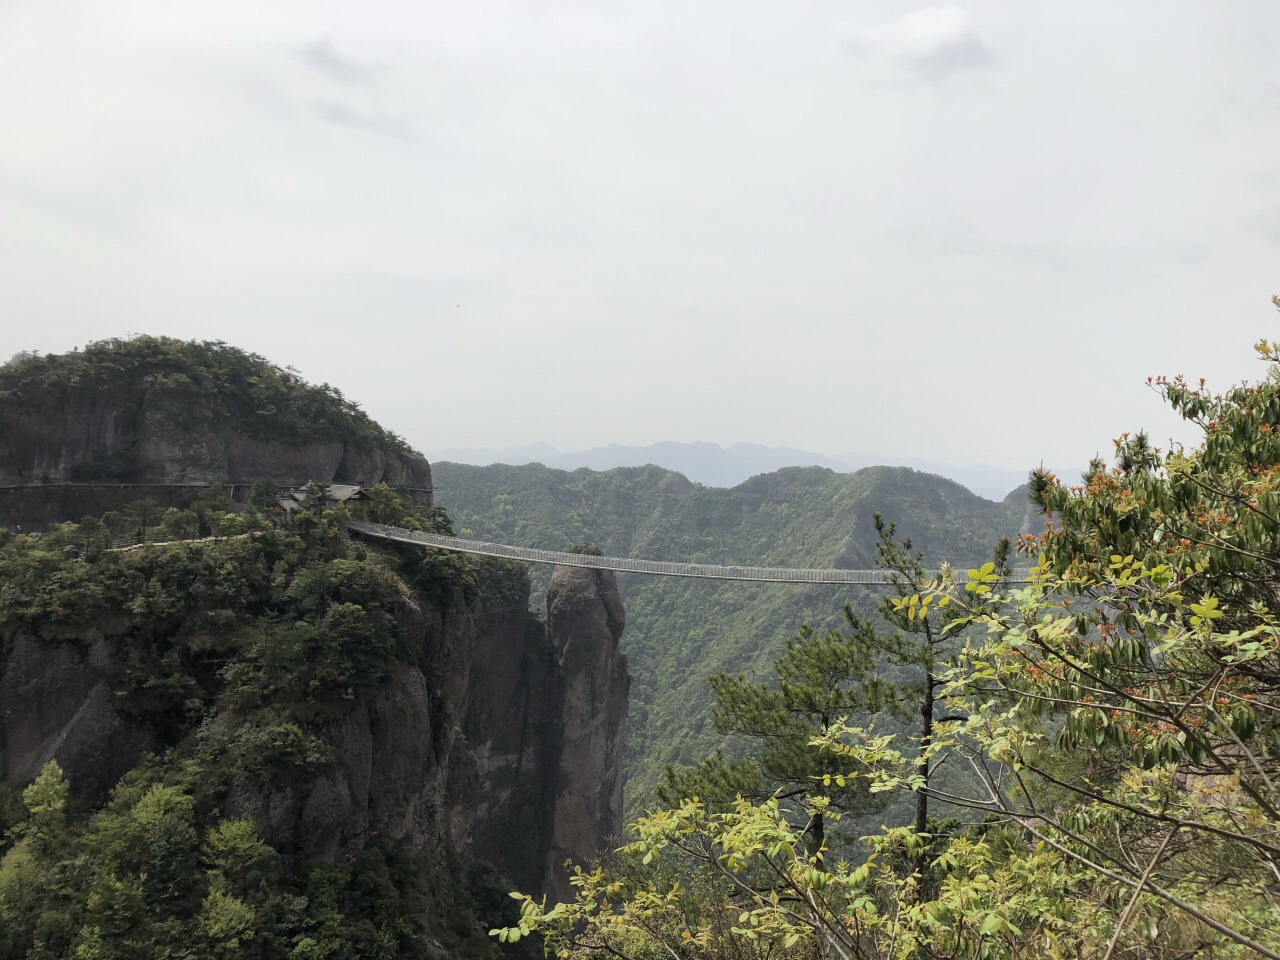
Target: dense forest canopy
[246,390]
[236,655]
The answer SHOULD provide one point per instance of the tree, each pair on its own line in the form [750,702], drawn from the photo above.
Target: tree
[920,651]
[213,503]
[315,497]
[818,679]
[1172,817]
[180,524]
[22,356]
[1142,655]
[1148,644]
[824,678]
[144,513]
[263,493]
[385,505]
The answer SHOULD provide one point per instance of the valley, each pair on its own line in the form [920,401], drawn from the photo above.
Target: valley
[680,632]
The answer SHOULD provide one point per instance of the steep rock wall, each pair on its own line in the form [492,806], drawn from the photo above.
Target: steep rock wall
[503,741]
[141,435]
[56,703]
[585,620]
[510,714]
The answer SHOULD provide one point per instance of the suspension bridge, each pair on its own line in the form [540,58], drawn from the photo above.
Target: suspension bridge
[660,568]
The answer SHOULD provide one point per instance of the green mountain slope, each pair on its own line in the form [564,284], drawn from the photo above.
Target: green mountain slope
[679,632]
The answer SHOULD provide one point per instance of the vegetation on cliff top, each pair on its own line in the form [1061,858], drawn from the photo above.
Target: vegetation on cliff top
[239,388]
[236,655]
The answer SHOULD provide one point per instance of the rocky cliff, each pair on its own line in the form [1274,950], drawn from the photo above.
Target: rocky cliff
[151,443]
[396,725]
[585,620]
[500,739]
[56,702]
[155,410]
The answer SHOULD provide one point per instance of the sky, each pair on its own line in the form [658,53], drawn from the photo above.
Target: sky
[960,232]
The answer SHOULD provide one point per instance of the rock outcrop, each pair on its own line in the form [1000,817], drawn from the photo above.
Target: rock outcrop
[503,742]
[154,410]
[56,702]
[510,713]
[485,736]
[155,438]
[585,620]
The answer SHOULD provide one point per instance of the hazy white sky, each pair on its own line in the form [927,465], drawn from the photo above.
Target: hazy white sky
[961,232]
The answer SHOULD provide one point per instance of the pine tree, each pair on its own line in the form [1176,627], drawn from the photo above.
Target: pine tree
[819,679]
[921,649]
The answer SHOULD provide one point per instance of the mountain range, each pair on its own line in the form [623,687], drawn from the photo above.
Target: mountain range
[719,466]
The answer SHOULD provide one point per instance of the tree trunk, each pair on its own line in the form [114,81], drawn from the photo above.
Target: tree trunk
[818,827]
[922,767]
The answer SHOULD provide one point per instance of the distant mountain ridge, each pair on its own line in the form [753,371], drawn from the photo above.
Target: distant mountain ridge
[714,465]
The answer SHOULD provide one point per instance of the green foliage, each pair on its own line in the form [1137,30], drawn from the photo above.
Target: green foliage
[238,654]
[142,878]
[222,383]
[744,883]
[387,506]
[263,494]
[819,679]
[12,812]
[1119,712]
[680,632]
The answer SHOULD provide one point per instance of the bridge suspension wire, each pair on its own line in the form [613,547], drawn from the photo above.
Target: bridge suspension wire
[662,568]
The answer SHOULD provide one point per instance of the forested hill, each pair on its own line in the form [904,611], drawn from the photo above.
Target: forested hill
[679,632]
[172,412]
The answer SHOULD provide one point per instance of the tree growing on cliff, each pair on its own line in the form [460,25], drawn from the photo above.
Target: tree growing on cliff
[235,657]
[144,514]
[263,494]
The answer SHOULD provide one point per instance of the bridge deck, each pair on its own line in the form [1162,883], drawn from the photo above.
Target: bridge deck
[662,568]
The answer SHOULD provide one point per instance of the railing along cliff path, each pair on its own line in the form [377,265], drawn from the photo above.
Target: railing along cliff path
[661,568]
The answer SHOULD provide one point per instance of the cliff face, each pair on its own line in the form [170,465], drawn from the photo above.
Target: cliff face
[157,410]
[585,620]
[56,702]
[143,436]
[502,742]
[342,696]
[509,708]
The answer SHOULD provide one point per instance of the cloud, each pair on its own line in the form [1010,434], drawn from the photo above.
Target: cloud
[932,44]
[346,116]
[322,56]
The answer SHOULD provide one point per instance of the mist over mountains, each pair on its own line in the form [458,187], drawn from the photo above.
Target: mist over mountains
[716,466]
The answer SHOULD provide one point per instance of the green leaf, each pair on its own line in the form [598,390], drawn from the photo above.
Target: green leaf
[994,924]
